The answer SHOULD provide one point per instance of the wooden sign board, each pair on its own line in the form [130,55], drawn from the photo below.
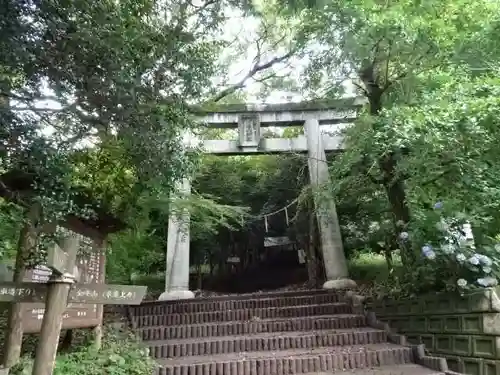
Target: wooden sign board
[233,260]
[101,294]
[108,294]
[90,264]
[277,241]
[22,292]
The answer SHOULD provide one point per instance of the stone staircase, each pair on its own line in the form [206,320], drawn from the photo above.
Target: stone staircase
[307,332]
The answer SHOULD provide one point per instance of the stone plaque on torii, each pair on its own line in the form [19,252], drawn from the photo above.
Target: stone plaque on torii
[249,131]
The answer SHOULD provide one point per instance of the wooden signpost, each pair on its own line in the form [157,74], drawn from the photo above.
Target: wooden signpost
[79,293]
[90,269]
[57,293]
[62,264]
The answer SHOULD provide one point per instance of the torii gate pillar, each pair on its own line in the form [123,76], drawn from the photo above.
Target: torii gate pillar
[177,268]
[326,212]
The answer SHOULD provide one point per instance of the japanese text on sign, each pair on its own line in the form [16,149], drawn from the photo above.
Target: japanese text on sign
[92,293]
[22,292]
[107,294]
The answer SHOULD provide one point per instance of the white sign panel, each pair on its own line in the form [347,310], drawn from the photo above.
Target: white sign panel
[277,241]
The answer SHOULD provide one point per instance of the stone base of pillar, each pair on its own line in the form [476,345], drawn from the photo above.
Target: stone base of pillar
[175,295]
[340,284]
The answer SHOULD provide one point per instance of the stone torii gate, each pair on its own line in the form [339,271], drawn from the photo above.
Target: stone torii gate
[249,119]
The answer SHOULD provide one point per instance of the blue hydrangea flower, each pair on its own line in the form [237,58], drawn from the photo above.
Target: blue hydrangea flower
[426,248]
[438,205]
[404,236]
[430,255]
[428,252]
[487,281]
[448,248]
[485,260]
[474,260]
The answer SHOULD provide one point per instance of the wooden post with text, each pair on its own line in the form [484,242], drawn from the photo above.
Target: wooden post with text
[62,263]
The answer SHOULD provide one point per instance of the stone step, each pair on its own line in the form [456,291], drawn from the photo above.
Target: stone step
[265,341]
[243,314]
[409,369]
[288,362]
[252,301]
[307,323]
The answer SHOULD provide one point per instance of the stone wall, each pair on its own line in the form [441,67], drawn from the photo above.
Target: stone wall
[463,329]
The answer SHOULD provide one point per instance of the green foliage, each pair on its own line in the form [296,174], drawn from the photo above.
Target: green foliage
[455,131]
[369,267]
[134,251]
[207,214]
[118,79]
[429,132]
[262,183]
[121,353]
[10,219]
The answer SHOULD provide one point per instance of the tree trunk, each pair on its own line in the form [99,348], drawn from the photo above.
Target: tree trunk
[14,332]
[320,263]
[395,189]
[392,182]
[311,258]
[200,277]
[211,263]
[388,256]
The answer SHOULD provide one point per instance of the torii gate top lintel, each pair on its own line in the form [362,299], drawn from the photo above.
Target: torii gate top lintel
[249,118]
[312,105]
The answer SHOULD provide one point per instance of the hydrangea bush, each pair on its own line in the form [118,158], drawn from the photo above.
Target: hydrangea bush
[452,261]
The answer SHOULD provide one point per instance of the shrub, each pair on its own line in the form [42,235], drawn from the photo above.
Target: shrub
[121,354]
[451,261]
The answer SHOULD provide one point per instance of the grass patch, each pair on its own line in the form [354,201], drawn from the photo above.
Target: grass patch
[154,282]
[370,267]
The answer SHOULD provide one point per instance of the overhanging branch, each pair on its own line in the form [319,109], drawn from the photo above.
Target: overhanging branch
[440,175]
[257,68]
